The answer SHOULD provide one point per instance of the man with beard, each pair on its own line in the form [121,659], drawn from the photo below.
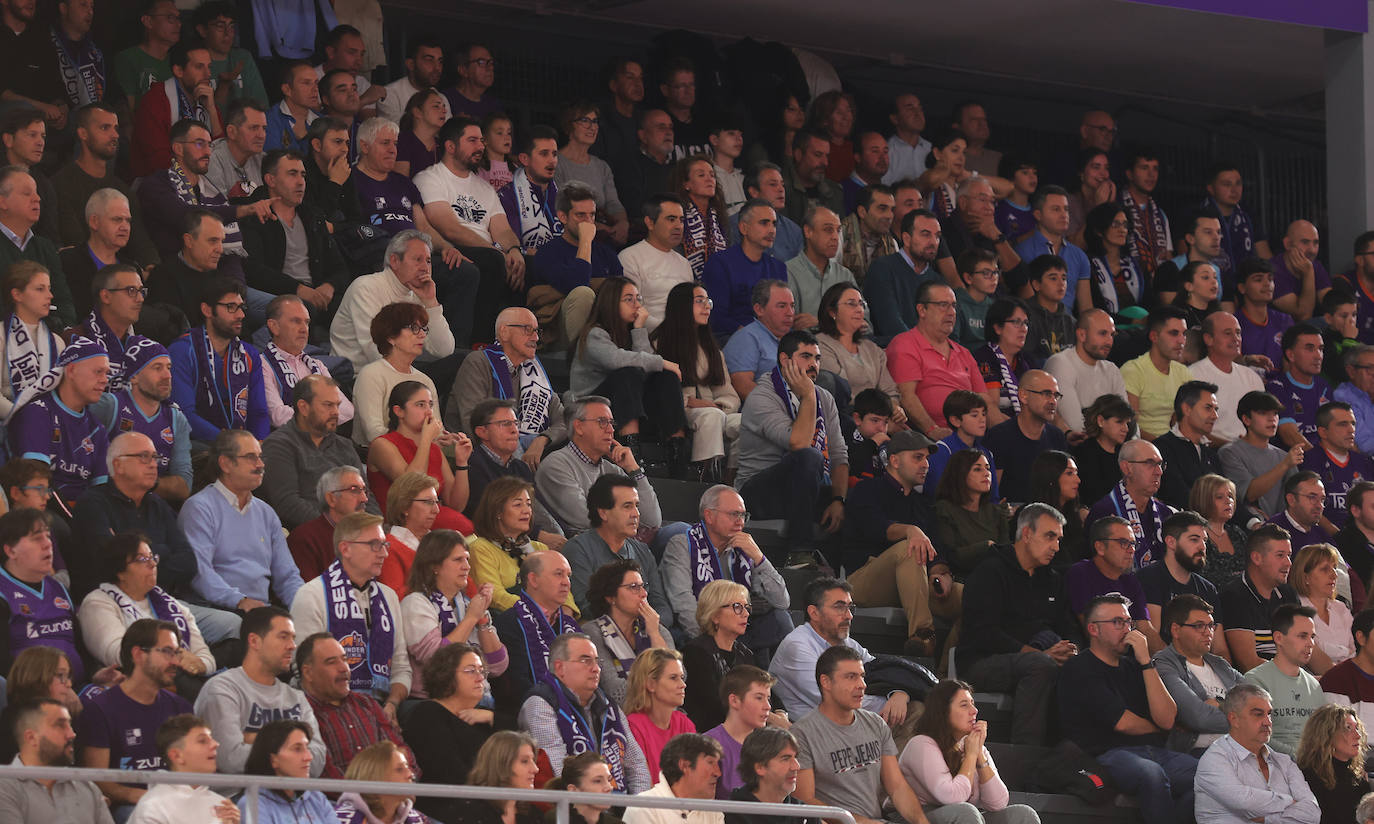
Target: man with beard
[109,220]
[216,375]
[1196,675]
[1084,371]
[44,736]
[187,94]
[870,164]
[424,67]
[769,766]
[1150,240]
[866,234]
[805,179]
[92,169]
[1134,499]
[815,270]
[529,199]
[465,211]
[236,158]
[301,451]
[118,727]
[1185,554]
[893,282]
[289,357]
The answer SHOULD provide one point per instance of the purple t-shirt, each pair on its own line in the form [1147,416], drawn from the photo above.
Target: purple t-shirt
[1085,582]
[1013,221]
[387,204]
[1338,478]
[729,762]
[72,443]
[1264,340]
[409,149]
[1300,537]
[1286,284]
[1300,403]
[112,720]
[1364,309]
[44,616]
[160,429]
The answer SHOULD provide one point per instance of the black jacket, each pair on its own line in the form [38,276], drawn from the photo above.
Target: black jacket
[80,269]
[1185,466]
[102,511]
[1004,608]
[265,242]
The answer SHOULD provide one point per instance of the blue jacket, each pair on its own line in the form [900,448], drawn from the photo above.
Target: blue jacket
[1075,258]
[306,808]
[186,396]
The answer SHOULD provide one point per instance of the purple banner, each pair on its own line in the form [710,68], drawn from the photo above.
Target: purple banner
[1345,15]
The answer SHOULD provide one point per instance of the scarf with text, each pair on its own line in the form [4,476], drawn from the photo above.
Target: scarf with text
[82,66]
[368,641]
[623,650]
[818,441]
[1148,239]
[237,369]
[1011,388]
[204,193]
[539,634]
[164,606]
[1125,507]
[577,731]
[701,236]
[180,104]
[533,391]
[534,210]
[706,566]
[100,332]
[1110,286]
[286,372]
[32,358]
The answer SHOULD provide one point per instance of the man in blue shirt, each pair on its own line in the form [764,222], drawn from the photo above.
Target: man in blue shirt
[764,181]
[752,352]
[1051,209]
[570,271]
[730,276]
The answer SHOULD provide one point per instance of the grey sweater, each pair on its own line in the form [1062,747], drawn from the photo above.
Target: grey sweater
[563,479]
[235,704]
[767,426]
[598,357]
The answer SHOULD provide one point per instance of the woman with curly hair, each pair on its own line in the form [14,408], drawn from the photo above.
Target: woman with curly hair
[1331,757]
[621,623]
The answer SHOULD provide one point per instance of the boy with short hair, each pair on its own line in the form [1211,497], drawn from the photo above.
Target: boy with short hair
[186,745]
[1051,325]
[979,271]
[1340,326]
[967,413]
[747,693]
[727,143]
[1013,215]
[867,457]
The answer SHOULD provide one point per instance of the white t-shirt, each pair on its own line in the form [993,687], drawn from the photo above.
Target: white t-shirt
[363,83]
[1215,689]
[655,273]
[473,200]
[1230,389]
[1082,384]
[398,94]
[173,803]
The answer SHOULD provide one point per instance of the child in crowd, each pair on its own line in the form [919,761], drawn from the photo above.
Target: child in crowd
[1051,325]
[967,413]
[872,413]
[981,276]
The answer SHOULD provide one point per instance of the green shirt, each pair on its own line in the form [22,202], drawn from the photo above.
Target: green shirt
[136,71]
[249,82]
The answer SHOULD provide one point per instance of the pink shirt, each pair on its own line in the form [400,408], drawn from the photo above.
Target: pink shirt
[280,409]
[651,739]
[929,776]
[911,357]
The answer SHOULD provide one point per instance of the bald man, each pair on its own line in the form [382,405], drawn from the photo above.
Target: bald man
[512,371]
[1221,366]
[1084,372]
[1016,442]
[1300,280]
[543,611]
[1142,470]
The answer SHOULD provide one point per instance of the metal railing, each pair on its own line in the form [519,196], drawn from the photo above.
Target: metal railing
[563,799]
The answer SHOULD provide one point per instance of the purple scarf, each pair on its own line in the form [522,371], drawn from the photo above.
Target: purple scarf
[701,236]
[706,561]
[100,332]
[539,634]
[351,809]
[623,650]
[165,607]
[1145,544]
[448,617]
[368,651]
[576,729]
[1106,285]
[285,372]
[1011,388]
[238,374]
[1148,239]
[819,439]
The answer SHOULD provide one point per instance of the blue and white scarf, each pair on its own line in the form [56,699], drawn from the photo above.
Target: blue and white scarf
[818,441]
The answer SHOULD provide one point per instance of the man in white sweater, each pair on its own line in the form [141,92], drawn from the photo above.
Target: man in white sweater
[1222,366]
[239,702]
[187,745]
[370,629]
[1083,372]
[406,278]
[654,263]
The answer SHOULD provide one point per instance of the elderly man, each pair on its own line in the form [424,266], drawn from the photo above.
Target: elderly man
[1300,280]
[109,221]
[1084,372]
[1017,441]
[730,276]
[236,158]
[59,427]
[92,169]
[568,713]
[642,170]
[241,553]
[198,259]
[1240,778]
[815,270]
[360,612]
[144,405]
[1134,499]
[540,614]
[495,428]
[19,211]
[1359,393]
[563,478]
[406,278]
[752,350]
[216,375]
[349,719]
[893,284]
[973,224]
[117,294]
[339,492]
[794,462]
[289,358]
[613,512]
[1249,602]
[298,453]
[1221,366]
[1196,678]
[717,548]
[928,364]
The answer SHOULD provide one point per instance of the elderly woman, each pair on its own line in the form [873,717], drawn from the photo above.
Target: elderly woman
[581,122]
[723,609]
[1314,577]
[413,506]
[621,623]
[1214,498]
[128,592]
[399,331]
[437,612]
[414,442]
[501,538]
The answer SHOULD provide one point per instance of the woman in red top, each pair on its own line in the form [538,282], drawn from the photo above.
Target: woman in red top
[654,697]
[413,443]
[412,507]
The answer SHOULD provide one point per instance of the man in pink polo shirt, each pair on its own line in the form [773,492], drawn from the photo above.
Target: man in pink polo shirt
[927,364]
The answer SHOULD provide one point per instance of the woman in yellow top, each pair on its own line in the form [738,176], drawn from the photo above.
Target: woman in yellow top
[501,540]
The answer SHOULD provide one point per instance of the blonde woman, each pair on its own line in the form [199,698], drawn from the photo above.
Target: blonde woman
[723,609]
[1214,498]
[382,761]
[1314,577]
[1331,757]
[654,697]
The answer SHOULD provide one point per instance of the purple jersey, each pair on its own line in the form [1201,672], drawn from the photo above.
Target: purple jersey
[1338,477]
[387,204]
[72,443]
[113,721]
[1364,309]
[42,617]
[1286,284]
[1013,221]
[1300,402]
[1264,340]
[159,429]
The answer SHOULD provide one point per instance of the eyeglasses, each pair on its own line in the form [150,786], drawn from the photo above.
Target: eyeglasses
[1118,623]
[1311,497]
[844,606]
[351,490]
[434,502]
[199,144]
[1045,393]
[1125,543]
[604,423]
[1017,322]
[417,328]
[251,457]
[474,671]
[632,299]
[133,292]
[1120,224]
[146,560]
[1160,465]
[707,302]
[946,305]
[740,609]
[378,547]
[525,328]
[45,491]
[855,304]
[232,308]
[640,587]
[587,121]
[63,678]
[484,62]
[170,652]
[511,424]
[586,661]
[736,515]
[1202,626]
[141,457]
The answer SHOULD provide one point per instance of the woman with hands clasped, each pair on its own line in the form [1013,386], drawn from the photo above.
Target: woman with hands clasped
[621,623]
[949,767]
[414,442]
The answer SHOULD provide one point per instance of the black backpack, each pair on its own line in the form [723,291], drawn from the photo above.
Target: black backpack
[1070,771]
